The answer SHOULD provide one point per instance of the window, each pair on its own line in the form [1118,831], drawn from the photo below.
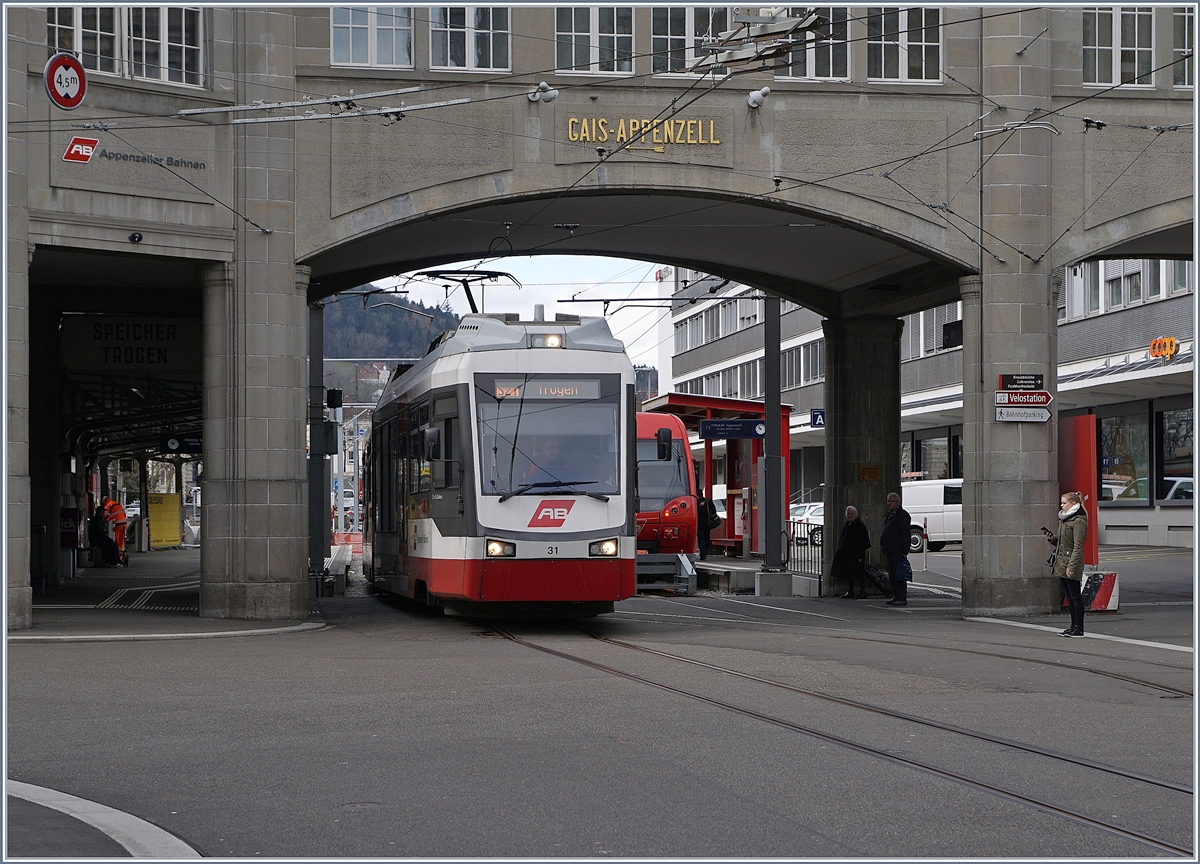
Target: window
[681,343]
[1183,38]
[749,312]
[1175,474]
[728,317]
[1179,276]
[675,31]
[1153,273]
[814,361]
[158,43]
[904,44]
[826,51]
[1125,458]
[932,322]
[594,39]
[748,380]
[935,458]
[1133,287]
[1130,28]
[468,37]
[1091,272]
[371,36]
[1114,293]
[789,369]
[712,324]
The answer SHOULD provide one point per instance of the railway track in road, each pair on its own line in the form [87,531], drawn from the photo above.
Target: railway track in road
[1009,795]
[824,633]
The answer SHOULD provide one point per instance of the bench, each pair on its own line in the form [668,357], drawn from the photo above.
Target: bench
[337,565]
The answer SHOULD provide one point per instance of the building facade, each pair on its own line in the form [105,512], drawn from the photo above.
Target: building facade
[1126,356]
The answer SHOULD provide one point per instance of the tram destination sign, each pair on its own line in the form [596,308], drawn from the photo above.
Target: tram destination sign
[1022,415]
[1022,382]
[728,429]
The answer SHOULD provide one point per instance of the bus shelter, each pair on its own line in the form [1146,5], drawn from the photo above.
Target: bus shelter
[711,418]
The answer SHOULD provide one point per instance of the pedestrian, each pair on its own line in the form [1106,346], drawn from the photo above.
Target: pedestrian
[893,542]
[706,520]
[1068,555]
[114,513]
[849,561]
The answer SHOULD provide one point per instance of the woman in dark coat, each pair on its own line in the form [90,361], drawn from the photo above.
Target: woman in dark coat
[849,561]
[1068,561]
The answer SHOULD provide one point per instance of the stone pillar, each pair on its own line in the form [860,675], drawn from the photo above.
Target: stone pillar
[1010,486]
[254,556]
[17,505]
[862,427]
[318,476]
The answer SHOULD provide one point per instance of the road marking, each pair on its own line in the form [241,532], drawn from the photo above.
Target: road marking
[1164,645]
[781,609]
[152,637]
[139,837]
[944,590]
[1161,603]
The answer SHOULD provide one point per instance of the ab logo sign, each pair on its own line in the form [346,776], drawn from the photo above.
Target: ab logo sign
[551,514]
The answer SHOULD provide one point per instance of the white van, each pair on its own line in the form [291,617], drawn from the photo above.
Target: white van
[940,503]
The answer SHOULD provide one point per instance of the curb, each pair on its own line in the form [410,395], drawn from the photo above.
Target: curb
[141,838]
[150,637]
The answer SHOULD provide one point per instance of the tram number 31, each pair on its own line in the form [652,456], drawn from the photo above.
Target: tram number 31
[551,550]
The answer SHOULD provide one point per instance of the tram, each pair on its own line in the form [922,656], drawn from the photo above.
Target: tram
[500,476]
[666,515]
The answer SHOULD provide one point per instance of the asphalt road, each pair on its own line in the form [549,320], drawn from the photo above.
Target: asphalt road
[394,733]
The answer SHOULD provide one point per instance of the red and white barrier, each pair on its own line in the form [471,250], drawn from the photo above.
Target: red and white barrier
[351,539]
[1100,591]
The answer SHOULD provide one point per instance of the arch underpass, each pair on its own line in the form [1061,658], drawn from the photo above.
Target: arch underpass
[860,199]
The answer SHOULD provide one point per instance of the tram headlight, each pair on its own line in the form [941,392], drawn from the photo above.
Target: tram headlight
[604,549]
[550,340]
[501,549]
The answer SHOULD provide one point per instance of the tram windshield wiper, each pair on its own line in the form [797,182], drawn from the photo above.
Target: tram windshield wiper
[555,484]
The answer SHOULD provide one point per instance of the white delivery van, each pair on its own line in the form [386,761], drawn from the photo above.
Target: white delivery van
[940,503]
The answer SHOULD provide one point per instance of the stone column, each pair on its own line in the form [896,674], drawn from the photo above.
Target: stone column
[254,556]
[1010,486]
[862,427]
[17,505]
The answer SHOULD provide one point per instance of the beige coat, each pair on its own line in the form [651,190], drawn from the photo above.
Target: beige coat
[1072,532]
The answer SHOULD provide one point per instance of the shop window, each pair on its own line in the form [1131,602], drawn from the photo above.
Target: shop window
[1125,458]
[935,458]
[1176,475]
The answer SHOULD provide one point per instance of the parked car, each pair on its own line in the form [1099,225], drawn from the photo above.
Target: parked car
[1177,489]
[939,502]
[798,511]
[813,521]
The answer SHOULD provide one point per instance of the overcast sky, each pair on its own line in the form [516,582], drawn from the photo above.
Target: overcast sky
[548,279]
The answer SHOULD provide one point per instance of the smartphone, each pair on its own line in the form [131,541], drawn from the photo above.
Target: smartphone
[1047,531]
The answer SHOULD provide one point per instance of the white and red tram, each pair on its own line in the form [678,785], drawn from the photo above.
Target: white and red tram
[500,471]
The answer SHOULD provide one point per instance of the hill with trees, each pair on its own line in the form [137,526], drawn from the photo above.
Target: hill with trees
[382,331]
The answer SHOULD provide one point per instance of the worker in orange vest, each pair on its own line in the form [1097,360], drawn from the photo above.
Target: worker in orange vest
[115,513]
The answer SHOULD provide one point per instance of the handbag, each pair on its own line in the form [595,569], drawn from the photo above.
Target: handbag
[714,521]
[903,570]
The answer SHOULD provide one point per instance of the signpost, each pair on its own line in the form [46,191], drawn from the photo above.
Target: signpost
[1022,382]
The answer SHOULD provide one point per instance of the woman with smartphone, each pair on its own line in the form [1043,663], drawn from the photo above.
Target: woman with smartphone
[1068,559]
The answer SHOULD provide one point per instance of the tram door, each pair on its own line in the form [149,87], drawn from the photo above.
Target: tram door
[416,484]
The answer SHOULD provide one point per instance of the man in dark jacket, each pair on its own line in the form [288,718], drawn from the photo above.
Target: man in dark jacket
[849,561]
[706,515]
[893,542]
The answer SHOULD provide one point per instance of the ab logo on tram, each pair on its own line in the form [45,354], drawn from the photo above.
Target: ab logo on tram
[551,514]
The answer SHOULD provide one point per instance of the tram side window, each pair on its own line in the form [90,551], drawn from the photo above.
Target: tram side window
[445,420]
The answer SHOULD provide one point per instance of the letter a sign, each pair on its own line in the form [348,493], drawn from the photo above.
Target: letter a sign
[66,82]
[816,418]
